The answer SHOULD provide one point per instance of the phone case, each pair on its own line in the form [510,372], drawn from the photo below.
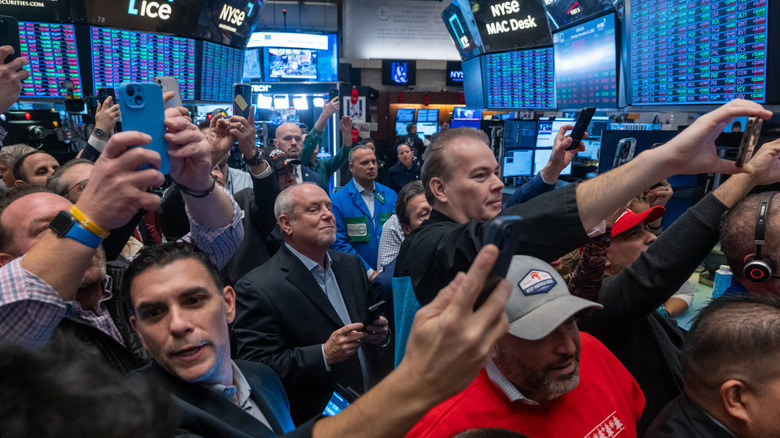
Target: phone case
[749,141]
[9,36]
[104,92]
[624,151]
[242,99]
[170,83]
[580,126]
[141,105]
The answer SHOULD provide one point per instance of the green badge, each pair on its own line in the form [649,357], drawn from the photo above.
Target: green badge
[357,229]
[380,197]
[383,217]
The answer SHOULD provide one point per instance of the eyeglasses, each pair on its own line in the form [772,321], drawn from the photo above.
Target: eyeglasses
[81,185]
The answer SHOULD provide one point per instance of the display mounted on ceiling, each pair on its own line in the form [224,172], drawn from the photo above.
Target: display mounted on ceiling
[399,72]
[463,29]
[509,25]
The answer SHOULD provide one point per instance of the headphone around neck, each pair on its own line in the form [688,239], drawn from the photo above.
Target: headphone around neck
[759,268]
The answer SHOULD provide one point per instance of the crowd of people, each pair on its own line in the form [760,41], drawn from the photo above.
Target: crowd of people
[236,302]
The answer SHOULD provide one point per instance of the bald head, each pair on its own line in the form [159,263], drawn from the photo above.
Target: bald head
[289,139]
[23,221]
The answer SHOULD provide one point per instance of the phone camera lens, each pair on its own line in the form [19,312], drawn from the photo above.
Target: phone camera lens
[130,91]
[138,100]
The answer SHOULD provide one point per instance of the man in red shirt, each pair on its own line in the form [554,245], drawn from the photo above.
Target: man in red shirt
[546,379]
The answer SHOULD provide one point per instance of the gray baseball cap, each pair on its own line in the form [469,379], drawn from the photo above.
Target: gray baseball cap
[540,299]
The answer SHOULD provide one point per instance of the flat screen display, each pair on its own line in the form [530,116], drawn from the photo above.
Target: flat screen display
[698,52]
[465,123]
[399,72]
[178,17]
[463,113]
[509,25]
[518,162]
[519,134]
[473,88]
[404,115]
[221,68]
[586,64]
[454,74]
[548,129]
[252,69]
[228,22]
[597,125]
[541,157]
[463,29]
[427,128]
[561,13]
[321,49]
[520,79]
[127,56]
[428,115]
[51,51]
[284,63]
[592,149]
[400,128]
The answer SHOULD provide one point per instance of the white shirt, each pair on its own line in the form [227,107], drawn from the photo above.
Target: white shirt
[368,196]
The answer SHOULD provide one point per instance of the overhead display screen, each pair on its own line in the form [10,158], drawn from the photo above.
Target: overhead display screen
[221,68]
[126,56]
[700,51]
[37,10]
[229,22]
[472,83]
[463,29]
[178,17]
[586,64]
[51,50]
[508,25]
[521,79]
[562,13]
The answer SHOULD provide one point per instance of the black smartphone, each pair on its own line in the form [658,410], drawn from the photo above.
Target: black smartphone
[9,36]
[583,120]
[373,313]
[333,92]
[340,399]
[504,232]
[749,141]
[104,92]
[242,99]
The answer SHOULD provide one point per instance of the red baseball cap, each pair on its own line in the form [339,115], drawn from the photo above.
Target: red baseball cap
[628,219]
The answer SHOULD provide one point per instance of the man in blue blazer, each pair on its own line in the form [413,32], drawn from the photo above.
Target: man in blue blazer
[361,208]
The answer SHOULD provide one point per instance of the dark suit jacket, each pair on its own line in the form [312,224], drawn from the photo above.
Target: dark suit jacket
[204,413]
[283,317]
[309,175]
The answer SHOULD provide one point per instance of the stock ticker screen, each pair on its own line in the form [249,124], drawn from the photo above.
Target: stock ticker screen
[520,79]
[700,51]
[586,64]
[127,56]
[51,50]
[222,67]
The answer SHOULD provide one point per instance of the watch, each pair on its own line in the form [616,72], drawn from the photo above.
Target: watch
[99,133]
[65,225]
[257,159]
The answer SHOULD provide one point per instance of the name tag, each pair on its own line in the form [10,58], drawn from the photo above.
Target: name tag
[357,229]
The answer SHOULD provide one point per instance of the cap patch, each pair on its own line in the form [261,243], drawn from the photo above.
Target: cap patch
[536,282]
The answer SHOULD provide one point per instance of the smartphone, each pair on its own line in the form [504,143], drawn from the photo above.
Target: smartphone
[583,120]
[504,232]
[373,313]
[242,100]
[170,83]
[9,36]
[104,92]
[340,399]
[624,151]
[749,140]
[141,105]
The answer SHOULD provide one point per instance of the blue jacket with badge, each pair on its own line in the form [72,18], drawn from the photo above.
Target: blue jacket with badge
[357,231]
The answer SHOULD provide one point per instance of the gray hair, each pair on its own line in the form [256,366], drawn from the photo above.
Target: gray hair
[56,184]
[439,163]
[11,154]
[358,147]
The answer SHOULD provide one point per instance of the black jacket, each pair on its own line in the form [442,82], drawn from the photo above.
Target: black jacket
[684,418]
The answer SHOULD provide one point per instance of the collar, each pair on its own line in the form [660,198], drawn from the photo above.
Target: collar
[309,263]
[510,391]
[437,216]
[108,288]
[362,189]
[237,393]
[713,419]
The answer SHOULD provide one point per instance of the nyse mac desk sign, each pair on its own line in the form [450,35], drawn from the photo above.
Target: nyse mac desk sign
[229,22]
[514,24]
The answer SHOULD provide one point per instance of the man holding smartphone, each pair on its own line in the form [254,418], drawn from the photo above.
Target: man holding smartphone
[11,77]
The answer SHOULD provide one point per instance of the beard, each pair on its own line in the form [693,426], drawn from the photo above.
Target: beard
[96,271]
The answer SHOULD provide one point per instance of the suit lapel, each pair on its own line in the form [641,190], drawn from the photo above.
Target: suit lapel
[347,289]
[258,395]
[300,277]
[217,406]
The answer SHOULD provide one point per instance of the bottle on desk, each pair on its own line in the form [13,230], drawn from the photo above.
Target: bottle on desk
[722,281]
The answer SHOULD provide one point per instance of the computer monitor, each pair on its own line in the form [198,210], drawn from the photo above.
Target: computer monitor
[400,128]
[519,134]
[427,128]
[548,129]
[53,59]
[463,113]
[473,82]
[592,149]
[542,156]
[460,123]
[428,115]
[518,162]
[597,124]
[404,115]
[222,66]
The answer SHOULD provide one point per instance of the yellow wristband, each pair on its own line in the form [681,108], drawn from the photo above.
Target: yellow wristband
[86,223]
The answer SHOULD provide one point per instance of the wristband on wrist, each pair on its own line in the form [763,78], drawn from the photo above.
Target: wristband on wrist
[257,159]
[87,224]
[65,225]
[187,191]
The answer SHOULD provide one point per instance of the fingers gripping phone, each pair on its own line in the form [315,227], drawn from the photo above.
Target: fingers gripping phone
[242,100]
[583,120]
[9,36]
[170,83]
[749,141]
[504,232]
[141,105]
[373,313]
